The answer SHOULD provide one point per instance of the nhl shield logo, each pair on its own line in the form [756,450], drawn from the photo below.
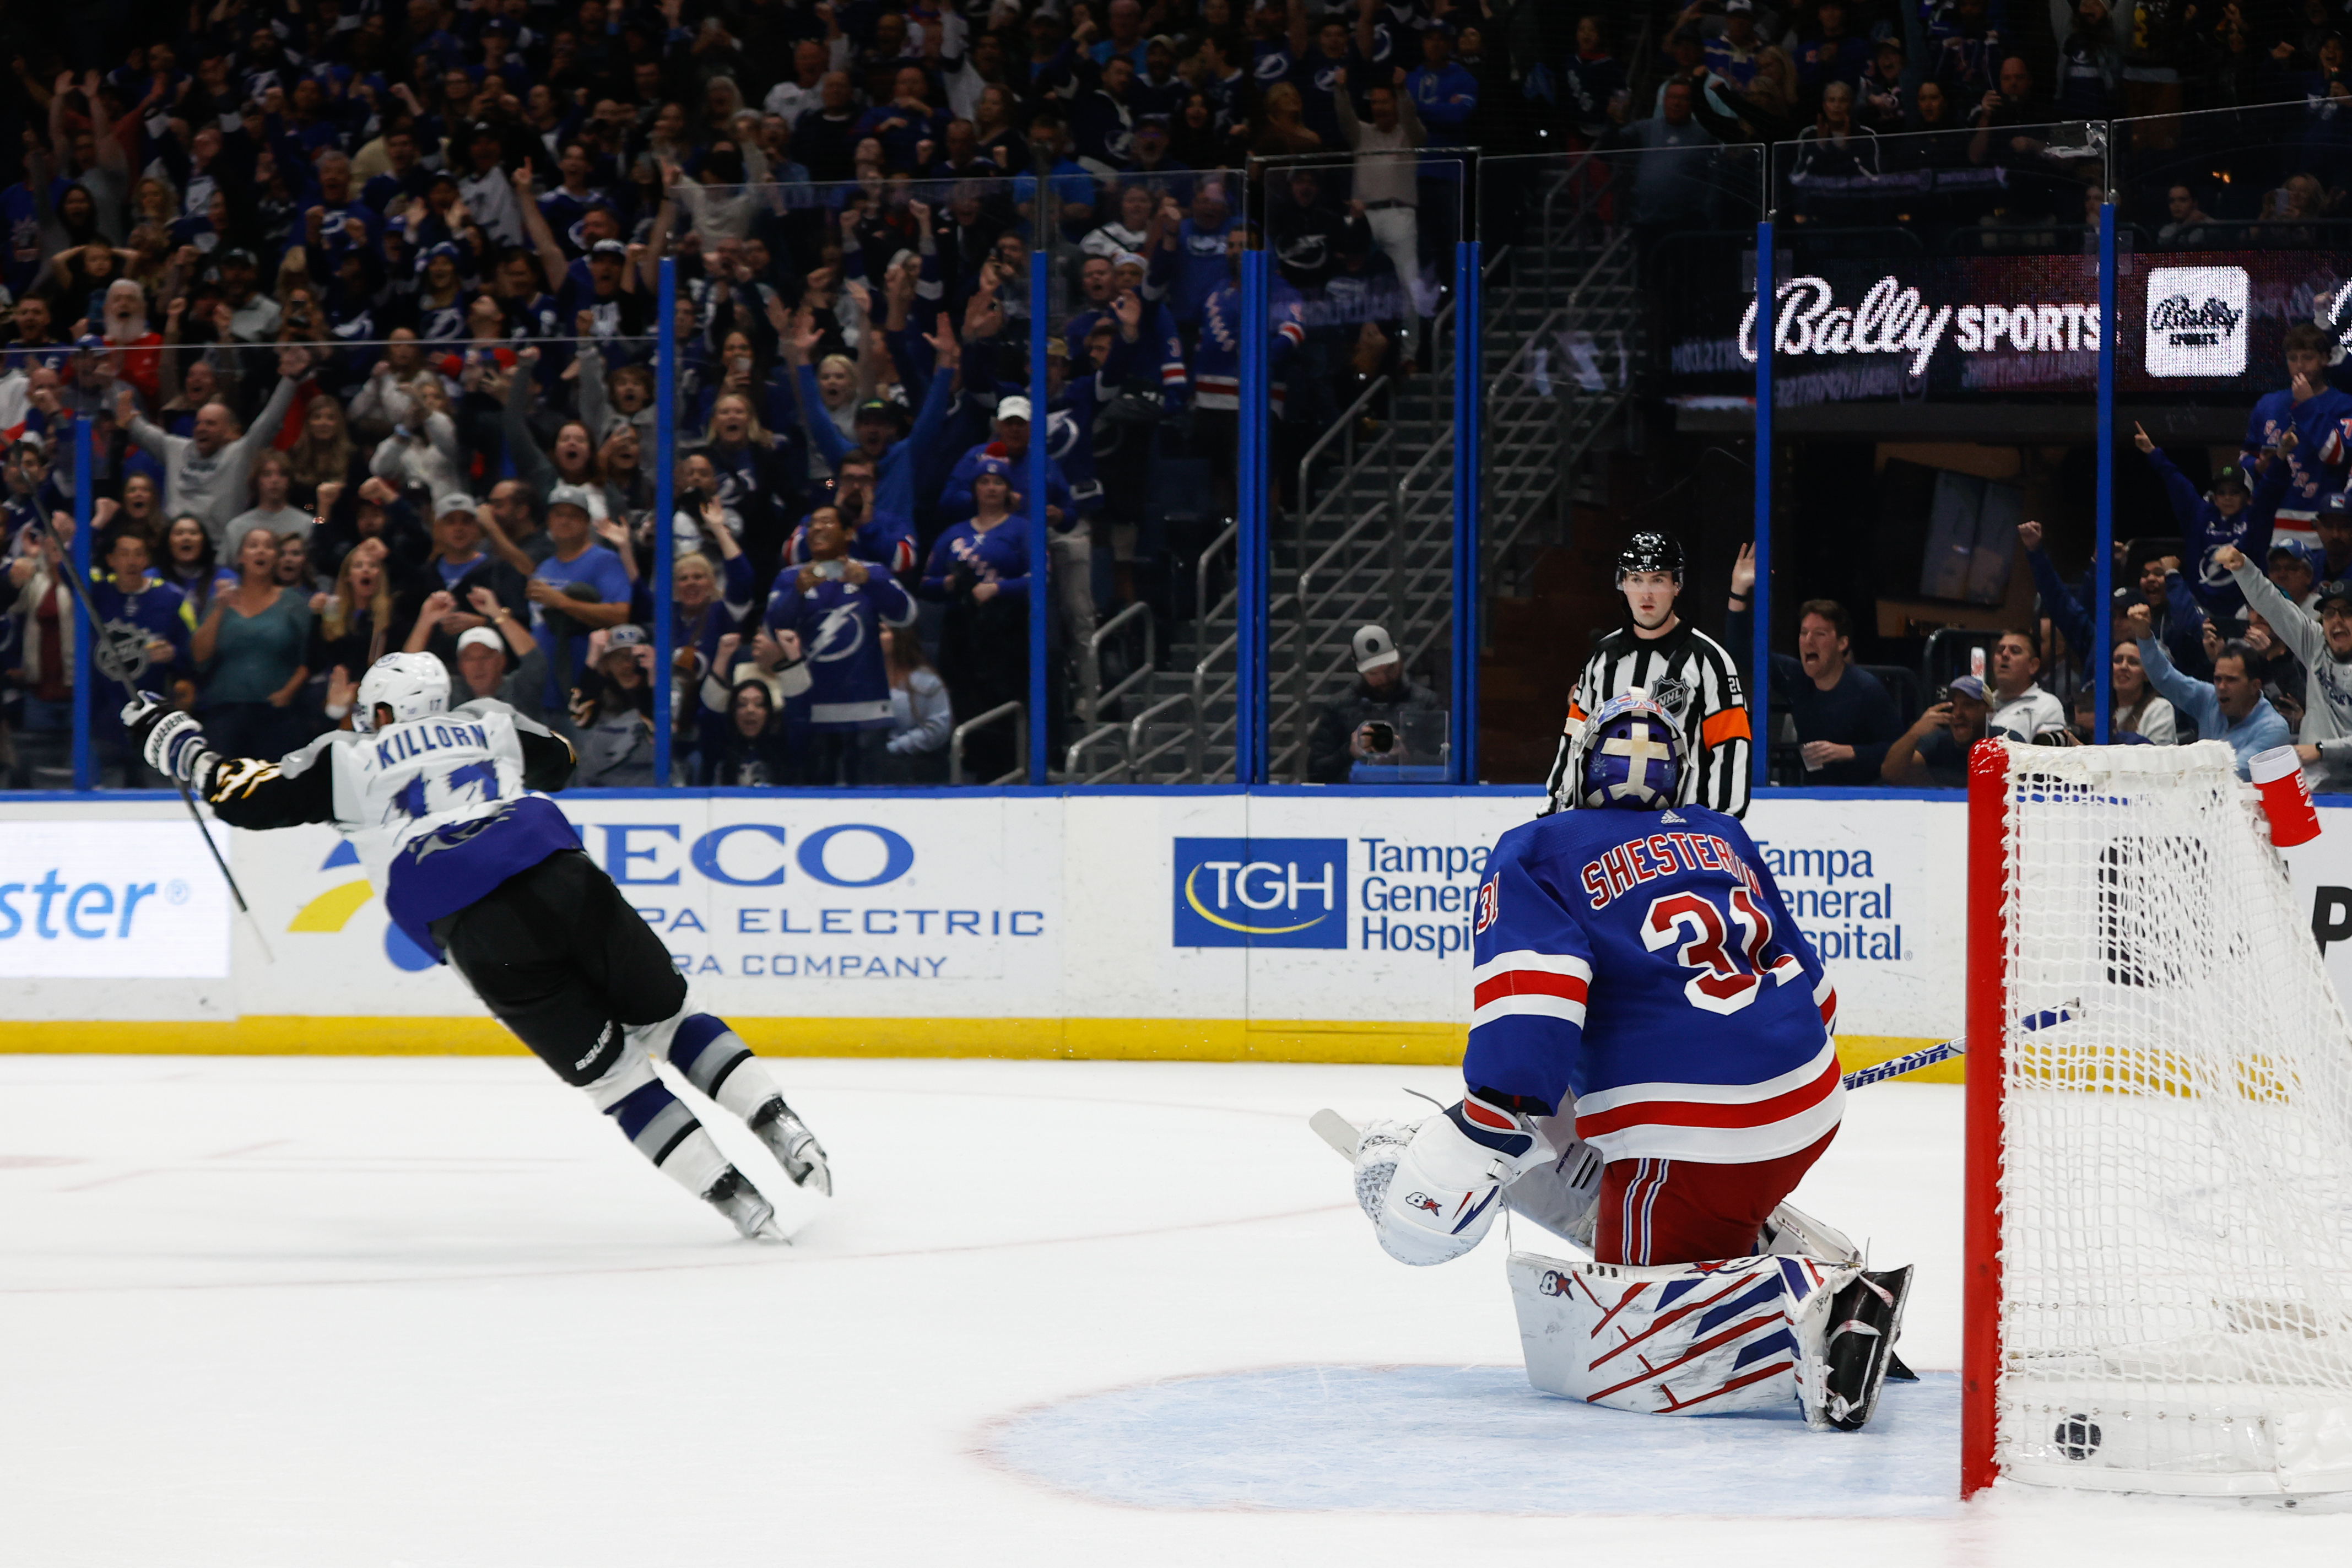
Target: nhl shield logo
[1674,696]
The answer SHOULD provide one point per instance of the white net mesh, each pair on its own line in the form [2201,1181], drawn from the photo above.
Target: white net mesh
[2176,1200]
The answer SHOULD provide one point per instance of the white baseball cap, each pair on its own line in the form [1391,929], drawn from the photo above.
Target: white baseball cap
[454,502]
[1012,408]
[480,637]
[1374,649]
[581,496]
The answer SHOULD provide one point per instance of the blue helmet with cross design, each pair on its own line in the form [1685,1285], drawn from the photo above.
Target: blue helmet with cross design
[1629,754]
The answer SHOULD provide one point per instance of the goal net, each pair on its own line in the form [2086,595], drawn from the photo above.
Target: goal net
[2160,1183]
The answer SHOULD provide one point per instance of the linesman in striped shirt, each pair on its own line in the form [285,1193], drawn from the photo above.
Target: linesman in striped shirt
[1686,672]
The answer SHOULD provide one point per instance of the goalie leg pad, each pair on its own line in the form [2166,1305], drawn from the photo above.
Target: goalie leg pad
[1431,1190]
[1696,1339]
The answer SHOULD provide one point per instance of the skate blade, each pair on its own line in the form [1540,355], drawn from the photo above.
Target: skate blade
[1338,1132]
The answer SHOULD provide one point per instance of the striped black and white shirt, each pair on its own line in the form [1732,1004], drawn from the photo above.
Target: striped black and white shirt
[1689,675]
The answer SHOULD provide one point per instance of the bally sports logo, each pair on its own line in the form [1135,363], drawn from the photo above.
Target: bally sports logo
[2195,320]
[1892,318]
[1261,892]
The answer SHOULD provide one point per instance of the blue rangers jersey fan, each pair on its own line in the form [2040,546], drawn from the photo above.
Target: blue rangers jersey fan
[1640,963]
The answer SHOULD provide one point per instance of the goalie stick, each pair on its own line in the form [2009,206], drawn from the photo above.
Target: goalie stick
[1343,1134]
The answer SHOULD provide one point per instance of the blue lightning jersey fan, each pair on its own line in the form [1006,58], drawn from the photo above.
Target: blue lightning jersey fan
[1641,965]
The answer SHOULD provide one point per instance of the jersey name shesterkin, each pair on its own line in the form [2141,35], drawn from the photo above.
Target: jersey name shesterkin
[1643,965]
[436,808]
[1691,677]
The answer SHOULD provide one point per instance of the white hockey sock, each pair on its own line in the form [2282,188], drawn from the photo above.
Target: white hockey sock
[715,1060]
[658,1122]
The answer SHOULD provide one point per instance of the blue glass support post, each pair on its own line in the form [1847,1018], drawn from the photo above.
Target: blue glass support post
[2104,550]
[664,504]
[1040,554]
[1760,695]
[1250,539]
[86,683]
[1469,459]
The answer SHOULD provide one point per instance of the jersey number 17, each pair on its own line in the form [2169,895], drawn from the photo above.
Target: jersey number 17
[411,796]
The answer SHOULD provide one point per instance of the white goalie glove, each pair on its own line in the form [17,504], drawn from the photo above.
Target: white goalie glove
[1432,1188]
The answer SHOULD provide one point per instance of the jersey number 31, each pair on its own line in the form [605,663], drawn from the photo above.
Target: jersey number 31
[1728,977]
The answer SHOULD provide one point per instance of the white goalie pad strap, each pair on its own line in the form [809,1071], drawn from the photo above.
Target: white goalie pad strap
[1564,1195]
[1792,1232]
[1431,1190]
[1690,1339]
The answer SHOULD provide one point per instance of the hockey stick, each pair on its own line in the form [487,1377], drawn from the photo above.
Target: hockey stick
[1343,1134]
[1928,1056]
[131,689]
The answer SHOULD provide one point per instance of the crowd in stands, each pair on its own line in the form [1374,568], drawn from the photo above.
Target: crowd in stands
[2231,620]
[2251,98]
[355,302]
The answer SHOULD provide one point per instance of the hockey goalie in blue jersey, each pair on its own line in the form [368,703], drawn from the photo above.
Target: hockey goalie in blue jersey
[446,810]
[1650,1071]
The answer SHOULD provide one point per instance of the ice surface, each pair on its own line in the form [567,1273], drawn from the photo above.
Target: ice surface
[335,1312]
[1361,1438]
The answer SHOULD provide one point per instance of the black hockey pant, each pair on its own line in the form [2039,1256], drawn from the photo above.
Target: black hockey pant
[558,955]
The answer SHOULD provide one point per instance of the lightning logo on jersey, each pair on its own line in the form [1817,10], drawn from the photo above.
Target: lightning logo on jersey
[436,809]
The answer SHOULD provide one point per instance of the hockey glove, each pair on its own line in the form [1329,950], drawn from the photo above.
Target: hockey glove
[1432,1190]
[175,746]
[139,714]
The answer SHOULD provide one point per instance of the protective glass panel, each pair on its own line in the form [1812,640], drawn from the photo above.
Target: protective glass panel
[1935,388]
[852,365]
[1616,402]
[1361,317]
[2230,392]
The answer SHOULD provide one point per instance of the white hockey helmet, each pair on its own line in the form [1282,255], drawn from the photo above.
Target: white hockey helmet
[412,685]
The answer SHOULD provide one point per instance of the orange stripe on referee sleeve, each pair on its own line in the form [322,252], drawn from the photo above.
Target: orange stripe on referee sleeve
[1731,724]
[1575,714]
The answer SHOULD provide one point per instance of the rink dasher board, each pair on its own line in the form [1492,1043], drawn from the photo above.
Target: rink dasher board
[1284,924]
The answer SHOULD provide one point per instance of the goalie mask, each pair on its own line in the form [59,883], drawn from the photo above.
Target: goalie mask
[1629,754]
[412,685]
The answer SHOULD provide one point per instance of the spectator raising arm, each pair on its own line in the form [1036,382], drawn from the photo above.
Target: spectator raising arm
[2325,647]
[2229,707]
[2058,601]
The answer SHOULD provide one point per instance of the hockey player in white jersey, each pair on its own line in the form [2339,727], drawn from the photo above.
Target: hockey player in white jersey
[443,808]
[1650,1070]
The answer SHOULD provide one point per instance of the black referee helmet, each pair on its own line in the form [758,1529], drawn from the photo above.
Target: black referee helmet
[1650,552]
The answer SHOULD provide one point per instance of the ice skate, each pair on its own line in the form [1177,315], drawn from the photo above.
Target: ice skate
[793,1145]
[1864,1322]
[740,1202]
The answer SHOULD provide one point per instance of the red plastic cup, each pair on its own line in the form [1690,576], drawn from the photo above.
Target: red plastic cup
[2286,796]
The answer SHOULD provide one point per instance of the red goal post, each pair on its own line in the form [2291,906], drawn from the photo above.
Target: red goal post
[2157,1286]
